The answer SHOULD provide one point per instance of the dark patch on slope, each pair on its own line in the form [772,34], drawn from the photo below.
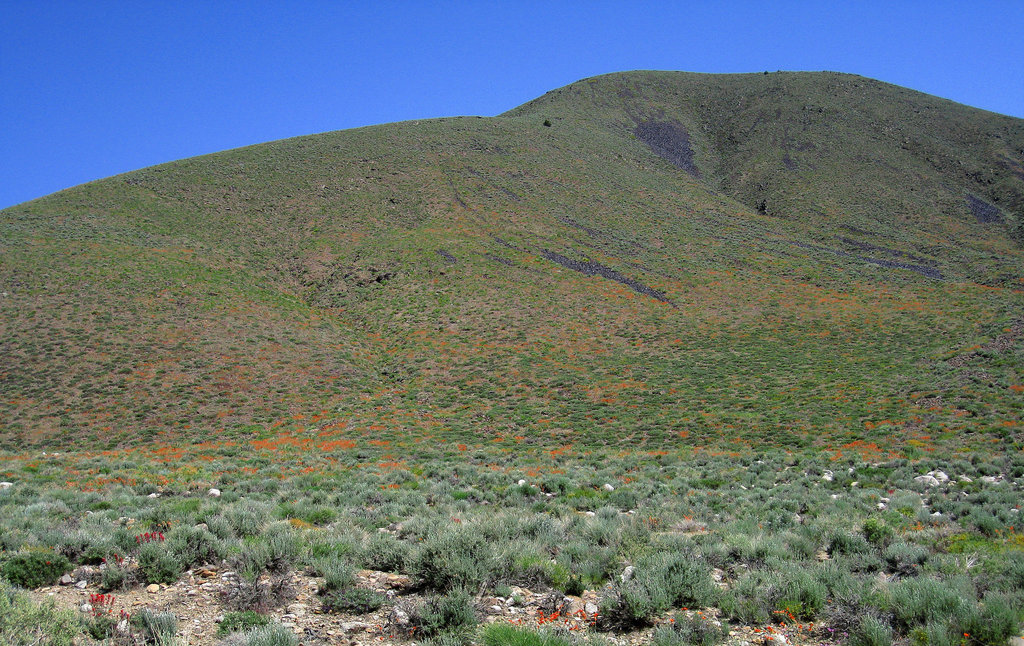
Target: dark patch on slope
[983,212]
[447,256]
[930,272]
[867,246]
[589,268]
[670,141]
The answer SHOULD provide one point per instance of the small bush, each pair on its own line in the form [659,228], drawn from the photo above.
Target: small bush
[194,546]
[239,621]
[157,565]
[871,632]
[35,569]
[24,623]
[271,635]
[994,622]
[337,574]
[116,577]
[456,558]
[876,531]
[691,631]
[353,600]
[445,613]
[498,634]
[386,553]
[157,628]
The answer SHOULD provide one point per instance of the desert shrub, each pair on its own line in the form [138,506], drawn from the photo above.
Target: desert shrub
[241,621]
[247,519]
[635,602]
[116,577]
[157,565]
[905,559]
[876,531]
[685,577]
[283,546]
[35,568]
[446,613]
[24,623]
[923,599]
[337,574]
[194,546]
[994,621]
[386,553]
[871,632]
[696,630]
[453,558]
[353,600]
[270,635]
[156,628]
[801,595]
[500,634]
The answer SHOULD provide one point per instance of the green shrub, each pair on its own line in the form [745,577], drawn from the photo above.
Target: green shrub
[353,600]
[24,623]
[270,635]
[500,634]
[695,630]
[444,613]
[116,577]
[455,558]
[386,553]
[239,621]
[157,628]
[337,573]
[995,621]
[921,600]
[635,603]
[876,531]
[194,546]
[871,632]
[34,569]
[157,565]
[905,559]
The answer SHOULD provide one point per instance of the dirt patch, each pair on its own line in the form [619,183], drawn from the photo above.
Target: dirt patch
[982,211]
[589,268]
[670,141]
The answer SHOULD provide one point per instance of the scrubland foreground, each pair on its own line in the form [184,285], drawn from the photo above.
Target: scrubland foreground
[656,357]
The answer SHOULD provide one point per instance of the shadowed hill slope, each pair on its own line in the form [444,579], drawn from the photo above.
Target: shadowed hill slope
[790,259]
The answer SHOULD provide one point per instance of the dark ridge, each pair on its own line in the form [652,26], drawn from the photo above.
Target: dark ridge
[589,268]
[508,245]
[499,259]
[447,256]
[867,246]
[984,212]
[930,272]
[597,233]
[670,141]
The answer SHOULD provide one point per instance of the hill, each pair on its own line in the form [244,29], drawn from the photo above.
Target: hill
[786,259]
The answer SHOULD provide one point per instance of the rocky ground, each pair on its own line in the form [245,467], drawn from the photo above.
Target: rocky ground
[199,602]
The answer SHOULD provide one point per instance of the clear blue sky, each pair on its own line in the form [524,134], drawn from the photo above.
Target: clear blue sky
[92,89]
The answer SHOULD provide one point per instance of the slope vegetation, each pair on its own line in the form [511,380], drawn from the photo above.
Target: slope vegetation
[672,259]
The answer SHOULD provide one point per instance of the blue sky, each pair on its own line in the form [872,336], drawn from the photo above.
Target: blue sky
[92,89]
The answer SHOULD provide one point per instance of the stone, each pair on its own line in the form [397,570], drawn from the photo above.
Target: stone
[990,480]
[297,609]
[85,607]
[399,617]
[521,483]
[927,480]
[589,513]
[590,608]
[827,476]
[775,639]
[153,495]
[152,588]
[6,485]
[354,626]
[881,506]
[399,581]
[627,574]
[964,479]
[939,475]
[213,492]
[66,580]
[607,487]
[81,585]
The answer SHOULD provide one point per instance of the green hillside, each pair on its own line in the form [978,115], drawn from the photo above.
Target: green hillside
[793,259]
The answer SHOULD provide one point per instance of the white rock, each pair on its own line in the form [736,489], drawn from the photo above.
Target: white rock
[213,492]
[66,580]
[589,513]
[627,574]
[81,585]
[964,479]
[989,479]
[590,608]
[827,476]
[881,506]
[521,483]
[152,588]
[399,617]
[937,514]
[153,495]
[6,485]
[85,607]
[939,475]
[776,639]
[927,480]
[607,487]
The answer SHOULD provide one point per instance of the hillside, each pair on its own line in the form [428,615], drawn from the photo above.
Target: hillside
[663,258]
